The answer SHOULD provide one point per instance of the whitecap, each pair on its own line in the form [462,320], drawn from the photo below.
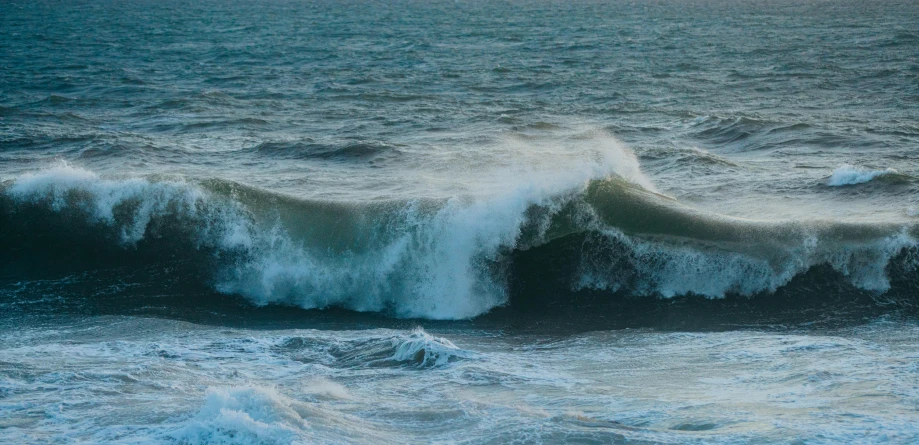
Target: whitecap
[850,175]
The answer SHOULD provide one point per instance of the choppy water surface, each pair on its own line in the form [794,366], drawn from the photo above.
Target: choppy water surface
[663,222]
[166,381]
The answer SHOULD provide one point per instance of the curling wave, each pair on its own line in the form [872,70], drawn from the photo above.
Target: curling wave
[437,258]
[851,175]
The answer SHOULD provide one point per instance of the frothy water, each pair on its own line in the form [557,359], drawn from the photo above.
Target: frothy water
[220,385]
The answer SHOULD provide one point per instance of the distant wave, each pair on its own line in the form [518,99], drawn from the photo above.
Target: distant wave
[441,259]
[851,175]
[745,134]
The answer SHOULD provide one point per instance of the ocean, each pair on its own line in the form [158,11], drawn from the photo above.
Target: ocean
[476,222]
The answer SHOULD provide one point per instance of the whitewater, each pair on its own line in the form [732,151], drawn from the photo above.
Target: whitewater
[459,222]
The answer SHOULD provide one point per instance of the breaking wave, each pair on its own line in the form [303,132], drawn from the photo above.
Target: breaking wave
[852,175]
[247,415]
[417,349]
[252,414]
[430,258]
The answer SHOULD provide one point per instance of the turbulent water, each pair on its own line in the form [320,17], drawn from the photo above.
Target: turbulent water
[459,222]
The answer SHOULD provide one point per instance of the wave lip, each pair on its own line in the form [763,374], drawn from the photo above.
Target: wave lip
[848,174]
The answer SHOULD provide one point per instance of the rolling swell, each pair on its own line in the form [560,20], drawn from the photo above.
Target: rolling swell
[438,258]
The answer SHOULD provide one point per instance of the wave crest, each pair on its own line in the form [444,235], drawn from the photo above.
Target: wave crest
[852,175]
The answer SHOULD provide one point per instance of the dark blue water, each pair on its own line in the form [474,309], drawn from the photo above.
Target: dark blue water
[189,189]
[214,88]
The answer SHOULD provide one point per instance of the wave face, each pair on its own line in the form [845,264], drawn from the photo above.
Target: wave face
[441,259]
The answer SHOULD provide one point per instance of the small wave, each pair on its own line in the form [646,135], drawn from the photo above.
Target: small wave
[850,175]
[417,349]
[251,414]
[687,156]
[747,134]
[312,150]
[425,350]
[244,415]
